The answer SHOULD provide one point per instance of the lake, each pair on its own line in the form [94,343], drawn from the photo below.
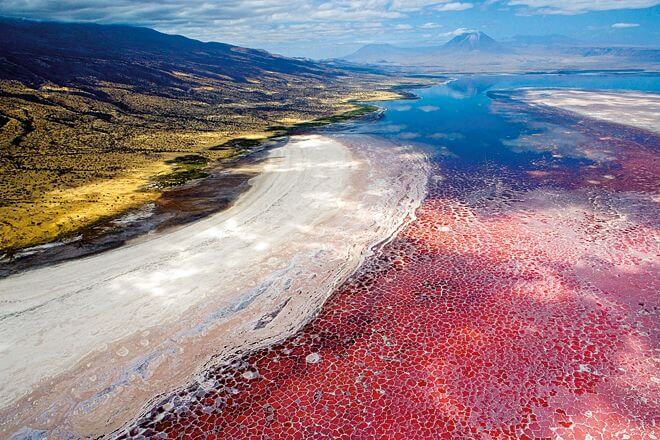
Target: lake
[521,302]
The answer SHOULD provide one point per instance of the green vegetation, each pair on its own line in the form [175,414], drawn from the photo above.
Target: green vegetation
[238,144]
[184,168]
[178,177]
[69,159]
[363,109]
[299,127]
[189,160]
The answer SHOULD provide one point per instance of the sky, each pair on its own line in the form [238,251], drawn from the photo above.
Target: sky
[333,28]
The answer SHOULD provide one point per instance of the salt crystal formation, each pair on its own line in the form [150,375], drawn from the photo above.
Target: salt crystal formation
[520,304]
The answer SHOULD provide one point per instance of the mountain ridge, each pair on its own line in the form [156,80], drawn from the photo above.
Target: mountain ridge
[476,51]
[63,51]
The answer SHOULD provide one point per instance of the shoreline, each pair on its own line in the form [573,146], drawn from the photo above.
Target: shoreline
[175,208]
[643,109]
[258,271]
[504,265]
[165,213]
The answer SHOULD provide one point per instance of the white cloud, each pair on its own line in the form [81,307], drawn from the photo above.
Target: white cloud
[453,6]
[625,25]
[269,24]
[281,25]
[571,7]
[455,32]
[414,5]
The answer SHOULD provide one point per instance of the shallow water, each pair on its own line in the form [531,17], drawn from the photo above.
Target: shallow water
[461,118]
[522,302]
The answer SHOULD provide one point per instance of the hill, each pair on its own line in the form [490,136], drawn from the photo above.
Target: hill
[95,119]
[82,53]
[376,53]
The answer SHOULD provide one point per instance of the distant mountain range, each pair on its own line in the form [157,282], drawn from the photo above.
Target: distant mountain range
[476,51]
[470,42]
[543,40]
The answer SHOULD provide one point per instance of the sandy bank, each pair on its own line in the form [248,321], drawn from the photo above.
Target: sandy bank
[87,343]
[637,109]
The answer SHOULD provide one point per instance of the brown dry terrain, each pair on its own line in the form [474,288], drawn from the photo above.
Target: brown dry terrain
[96,120]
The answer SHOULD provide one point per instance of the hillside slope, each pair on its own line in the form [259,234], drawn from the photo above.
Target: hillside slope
[81,53]
[94,117]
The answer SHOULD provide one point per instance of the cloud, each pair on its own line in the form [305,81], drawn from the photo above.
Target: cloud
[455,32]
[334,26]
[270,24]
[572,7]
[625,25]
[414,5]
[453,6]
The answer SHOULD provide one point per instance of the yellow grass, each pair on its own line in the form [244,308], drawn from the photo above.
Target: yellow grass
[63,212]
[84,160]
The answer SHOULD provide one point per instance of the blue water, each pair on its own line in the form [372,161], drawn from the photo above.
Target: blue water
[462,126]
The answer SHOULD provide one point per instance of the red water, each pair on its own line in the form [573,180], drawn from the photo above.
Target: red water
[498,313]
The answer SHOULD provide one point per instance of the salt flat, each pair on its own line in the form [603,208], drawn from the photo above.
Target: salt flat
[637,109]
[87,343]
